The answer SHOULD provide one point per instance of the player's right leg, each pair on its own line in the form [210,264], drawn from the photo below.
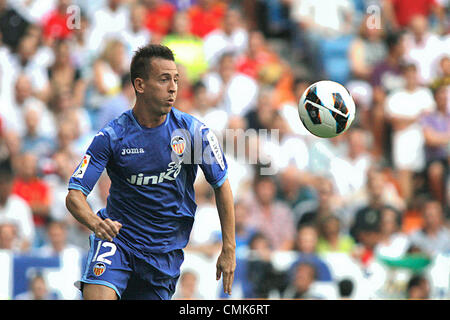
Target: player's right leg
[107,270]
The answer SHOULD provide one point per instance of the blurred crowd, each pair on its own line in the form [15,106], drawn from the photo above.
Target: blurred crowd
[364,215]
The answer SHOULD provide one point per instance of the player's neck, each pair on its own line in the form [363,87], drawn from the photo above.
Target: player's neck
[146,118]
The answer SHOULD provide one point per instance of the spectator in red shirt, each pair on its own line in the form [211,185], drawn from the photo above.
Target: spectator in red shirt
[32,189]
[159,17]
[400,12]
[206,16]
[55,24]
[259,62]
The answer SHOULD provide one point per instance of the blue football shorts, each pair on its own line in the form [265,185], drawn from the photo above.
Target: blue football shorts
[133,276]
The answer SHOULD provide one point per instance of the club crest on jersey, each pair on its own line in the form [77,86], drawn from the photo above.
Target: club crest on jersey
[178,145]
[99,268]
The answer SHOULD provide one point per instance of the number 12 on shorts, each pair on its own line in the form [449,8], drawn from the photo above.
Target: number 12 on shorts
[102,257]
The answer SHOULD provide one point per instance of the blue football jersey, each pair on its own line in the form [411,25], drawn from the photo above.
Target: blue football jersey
[152,172]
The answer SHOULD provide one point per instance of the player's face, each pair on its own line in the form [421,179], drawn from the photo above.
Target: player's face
[160,89]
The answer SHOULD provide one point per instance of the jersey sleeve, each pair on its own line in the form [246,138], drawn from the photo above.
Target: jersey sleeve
[93,163]
[213,162]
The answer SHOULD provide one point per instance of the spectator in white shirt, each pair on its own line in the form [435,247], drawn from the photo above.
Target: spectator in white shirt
[319,20]
[22,100]
[325,17]
[89,7]
[33,10]
[403,109]
[241,150]
[8,236]
[203,110]
[26,61]
[57,241]
[107,23]
[81,54]
[393,243]
[61,281]
[136,34]
[349,171]
[38,290]
[283,148]
[229,90]
[232,37]
[424,49]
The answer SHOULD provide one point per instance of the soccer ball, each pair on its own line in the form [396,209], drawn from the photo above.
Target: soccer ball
[326,109]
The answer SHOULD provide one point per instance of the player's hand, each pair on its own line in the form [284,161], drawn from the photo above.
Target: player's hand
[107,229]
[226,264]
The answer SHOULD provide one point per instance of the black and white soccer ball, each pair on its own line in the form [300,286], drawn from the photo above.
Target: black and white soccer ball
[326,109]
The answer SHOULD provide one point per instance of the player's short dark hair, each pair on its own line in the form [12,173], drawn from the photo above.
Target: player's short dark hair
[140,64]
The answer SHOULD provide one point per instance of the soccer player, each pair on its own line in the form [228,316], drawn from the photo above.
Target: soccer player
[151,153]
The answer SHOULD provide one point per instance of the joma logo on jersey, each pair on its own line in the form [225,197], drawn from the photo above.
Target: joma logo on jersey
[132,151]
[171,174]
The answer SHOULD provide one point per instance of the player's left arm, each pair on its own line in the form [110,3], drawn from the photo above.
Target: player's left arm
[214,167]
[226,263]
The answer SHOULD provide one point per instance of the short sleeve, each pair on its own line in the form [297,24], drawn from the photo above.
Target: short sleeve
[93,163]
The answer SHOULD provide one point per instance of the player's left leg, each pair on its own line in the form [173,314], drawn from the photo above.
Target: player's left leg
[138,289]
[155,276]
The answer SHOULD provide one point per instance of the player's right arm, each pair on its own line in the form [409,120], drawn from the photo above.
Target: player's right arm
[82,182]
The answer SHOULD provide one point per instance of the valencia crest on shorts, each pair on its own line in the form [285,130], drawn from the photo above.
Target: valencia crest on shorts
[178,145]
[99,268]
